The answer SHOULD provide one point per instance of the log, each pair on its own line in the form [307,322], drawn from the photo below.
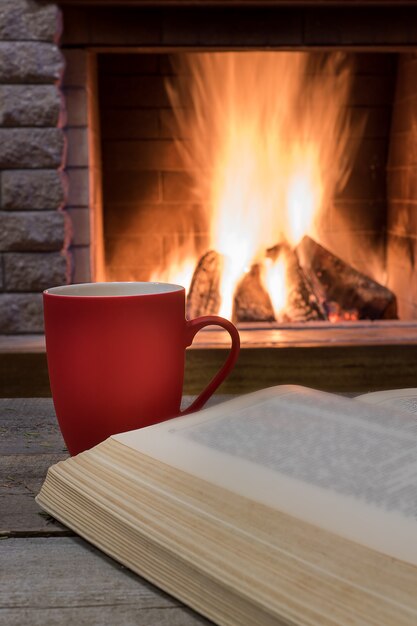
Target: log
[302,304]
[204,295]
[341,289]
[252,302]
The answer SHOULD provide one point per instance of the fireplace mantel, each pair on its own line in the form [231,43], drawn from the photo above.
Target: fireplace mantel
[241,24]
[325,3]
[33,61]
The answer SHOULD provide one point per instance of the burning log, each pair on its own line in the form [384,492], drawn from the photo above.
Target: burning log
[302,304]
[340,288]
[252,302]
[319,286]
[204,295]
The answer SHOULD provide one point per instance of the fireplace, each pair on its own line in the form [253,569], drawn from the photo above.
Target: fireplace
[106,194]
[147,213]
[220,167]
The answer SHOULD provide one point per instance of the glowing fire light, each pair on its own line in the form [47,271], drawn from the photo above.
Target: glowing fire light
[304,196]
[275,282]
[268,137]
[179,272]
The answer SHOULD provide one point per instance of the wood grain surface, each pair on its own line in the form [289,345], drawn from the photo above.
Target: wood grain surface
[64,581]
[366,356]
[47,575]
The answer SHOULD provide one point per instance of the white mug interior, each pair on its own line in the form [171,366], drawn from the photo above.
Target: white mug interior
[113,289]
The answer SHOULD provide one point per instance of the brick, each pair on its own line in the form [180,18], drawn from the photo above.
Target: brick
[32,189]
[133,91]
[129,124]
[165,218]
[26,20]
[402,184]
[31,147]
[29,62]
[169,127]
[32,231]
[178,187]
[77,147]
[407,76]
[373,63]
[232,27]
[122,187]
[78,187]
[377,121]
[142,155]
[130,63]
[372,91]
[341,26]
[81,268]
[76,31]
[358,214]
[404,116]
[401,251]
[30,105]
[364,183]
[403,150]
[125,26]
[169,64]
[131,250]
[75,74]
[80,221]
[21,313]
[122,273]
[76,106]
[402,217]
[34,271]
[406,310]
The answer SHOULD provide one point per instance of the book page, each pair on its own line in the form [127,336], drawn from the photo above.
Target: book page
[342,465]
[398,399]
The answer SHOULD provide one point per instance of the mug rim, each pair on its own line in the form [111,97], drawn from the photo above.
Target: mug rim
[102,289]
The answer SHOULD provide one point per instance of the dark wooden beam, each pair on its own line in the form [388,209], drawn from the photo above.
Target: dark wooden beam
[226,25]
[237,3]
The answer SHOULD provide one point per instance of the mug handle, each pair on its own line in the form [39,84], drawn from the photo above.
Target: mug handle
[193,326]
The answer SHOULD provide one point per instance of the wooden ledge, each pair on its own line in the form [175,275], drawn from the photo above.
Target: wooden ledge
[360,356]
[313,334]
[271,335]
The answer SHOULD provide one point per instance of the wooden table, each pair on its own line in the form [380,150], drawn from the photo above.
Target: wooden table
[48,576]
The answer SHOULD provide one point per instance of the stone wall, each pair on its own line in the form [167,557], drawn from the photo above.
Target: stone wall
[34,230]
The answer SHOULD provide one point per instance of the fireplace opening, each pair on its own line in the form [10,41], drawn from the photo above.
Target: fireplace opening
[275,186]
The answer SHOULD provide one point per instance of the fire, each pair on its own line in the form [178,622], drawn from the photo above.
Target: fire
[268,142]
[275,282]
[179,272]
[304,197]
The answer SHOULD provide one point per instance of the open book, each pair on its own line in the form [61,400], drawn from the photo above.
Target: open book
[284,506]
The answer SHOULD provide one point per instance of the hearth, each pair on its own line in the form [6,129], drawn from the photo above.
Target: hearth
[328,123]
[130,204]
[215,163]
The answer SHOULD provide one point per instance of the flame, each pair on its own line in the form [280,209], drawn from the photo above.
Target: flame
[178,272]
[275,282]
[268,142]
[304,196]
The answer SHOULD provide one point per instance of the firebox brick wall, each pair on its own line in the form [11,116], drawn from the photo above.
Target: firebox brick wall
[33,227]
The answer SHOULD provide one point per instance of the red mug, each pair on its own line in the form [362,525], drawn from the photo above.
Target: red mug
[116,356]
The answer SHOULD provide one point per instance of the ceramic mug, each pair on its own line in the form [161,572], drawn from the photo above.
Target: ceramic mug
[116,356]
